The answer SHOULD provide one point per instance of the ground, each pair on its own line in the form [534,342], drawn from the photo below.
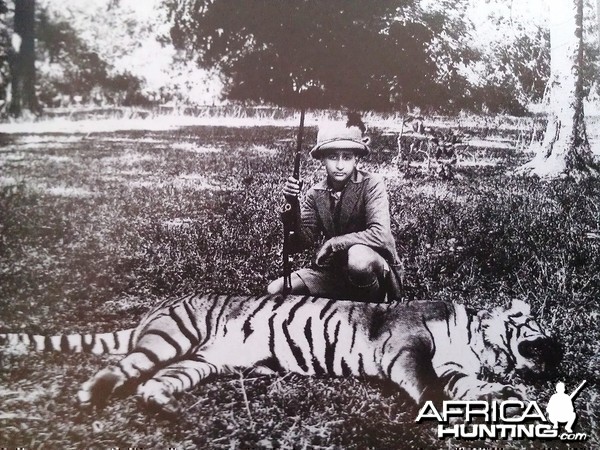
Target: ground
[98,226]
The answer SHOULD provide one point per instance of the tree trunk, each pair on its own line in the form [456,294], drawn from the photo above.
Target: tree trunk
[598,19]
[23,61]
[565,150]
[4,57]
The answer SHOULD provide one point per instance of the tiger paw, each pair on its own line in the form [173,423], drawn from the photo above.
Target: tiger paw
[98,389]
[157,398]
[84,395]
[168,410]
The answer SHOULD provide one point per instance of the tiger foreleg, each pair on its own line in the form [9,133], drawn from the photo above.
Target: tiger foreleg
[154,349]
[158,392]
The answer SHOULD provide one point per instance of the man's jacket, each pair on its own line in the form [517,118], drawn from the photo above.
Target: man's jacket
[360,216]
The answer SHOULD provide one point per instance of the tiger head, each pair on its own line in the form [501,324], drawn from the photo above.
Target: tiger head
[517,342]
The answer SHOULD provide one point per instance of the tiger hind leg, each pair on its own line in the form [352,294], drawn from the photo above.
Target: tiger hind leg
[415,375]
[158,392]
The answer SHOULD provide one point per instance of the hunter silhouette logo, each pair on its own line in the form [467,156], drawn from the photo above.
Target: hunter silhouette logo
[508,419]
[560,407]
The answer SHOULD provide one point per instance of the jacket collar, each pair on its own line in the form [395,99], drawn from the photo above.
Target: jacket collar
[357,177]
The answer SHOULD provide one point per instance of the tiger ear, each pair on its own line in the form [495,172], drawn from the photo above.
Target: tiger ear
[519,306]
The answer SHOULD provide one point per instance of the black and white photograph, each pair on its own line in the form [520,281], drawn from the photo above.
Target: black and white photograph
[299,224]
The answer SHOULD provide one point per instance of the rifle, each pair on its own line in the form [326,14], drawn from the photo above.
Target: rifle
[576,391]
[289,215]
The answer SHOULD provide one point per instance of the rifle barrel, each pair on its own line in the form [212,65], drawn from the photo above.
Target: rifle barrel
[576,391]
[299,145]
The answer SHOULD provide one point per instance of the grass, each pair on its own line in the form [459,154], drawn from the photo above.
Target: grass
[96,228]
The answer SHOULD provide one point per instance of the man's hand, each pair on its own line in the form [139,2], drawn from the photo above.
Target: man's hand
[292,187]
[324,254]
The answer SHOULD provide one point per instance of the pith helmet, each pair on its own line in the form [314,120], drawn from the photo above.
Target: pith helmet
[337,136]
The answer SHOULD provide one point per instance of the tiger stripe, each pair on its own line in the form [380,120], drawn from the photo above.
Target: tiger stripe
[295,348]
[223,309]
[181,326]
[248,330]
[97,343]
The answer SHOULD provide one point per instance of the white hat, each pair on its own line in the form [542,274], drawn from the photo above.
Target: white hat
[337,136]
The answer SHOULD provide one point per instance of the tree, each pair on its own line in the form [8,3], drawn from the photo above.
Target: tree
[23,60]
[84,53]
[565,150]
[591,47]
[4,55]
[514,70]
[598,19]
[353,54]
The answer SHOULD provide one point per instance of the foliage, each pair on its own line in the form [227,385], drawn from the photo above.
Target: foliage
[514,64]
[108,53]
[516,73]
[387,56]
[71,68]
[514,59]
[96,229]
[357,54]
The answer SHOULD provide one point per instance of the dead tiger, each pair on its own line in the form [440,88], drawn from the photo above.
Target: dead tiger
[428,348]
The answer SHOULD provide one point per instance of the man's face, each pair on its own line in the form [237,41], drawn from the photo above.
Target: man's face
[340,164]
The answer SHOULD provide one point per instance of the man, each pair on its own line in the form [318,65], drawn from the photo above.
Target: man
[560,408]
[349,212]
